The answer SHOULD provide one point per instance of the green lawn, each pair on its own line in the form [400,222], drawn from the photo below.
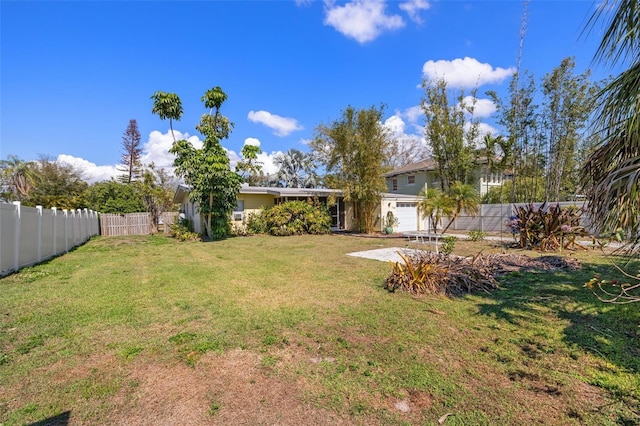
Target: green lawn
[266,330]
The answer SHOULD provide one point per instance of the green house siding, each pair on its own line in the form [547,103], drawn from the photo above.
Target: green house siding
[419,178]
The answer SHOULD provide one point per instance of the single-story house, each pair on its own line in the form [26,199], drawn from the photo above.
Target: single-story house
[414,177]
[252,198]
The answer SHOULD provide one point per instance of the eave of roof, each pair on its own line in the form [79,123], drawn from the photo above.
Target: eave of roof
[424,165]
[183,190]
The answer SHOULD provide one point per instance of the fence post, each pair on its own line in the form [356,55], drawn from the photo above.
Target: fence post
[54,227]
[66,230]
[86,224]
[39,233]
[16,242]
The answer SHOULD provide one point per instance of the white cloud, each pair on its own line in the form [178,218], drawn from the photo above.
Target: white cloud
[156,148]
[266,158]
[362,20]
[411,147]
[467,72]
[252,141]
[414,113]
[483,107]
[413,8]
[89,171]
[282,126]
[268,167]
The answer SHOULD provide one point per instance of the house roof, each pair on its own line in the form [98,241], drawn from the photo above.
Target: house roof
[424,165]
[182,192]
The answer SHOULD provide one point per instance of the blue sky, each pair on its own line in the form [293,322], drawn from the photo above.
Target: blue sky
[74,73]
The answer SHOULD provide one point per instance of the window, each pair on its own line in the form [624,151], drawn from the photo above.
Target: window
[394,184]
[411,180]
[238,211]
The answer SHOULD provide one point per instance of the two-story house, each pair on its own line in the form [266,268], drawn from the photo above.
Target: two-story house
[413,178]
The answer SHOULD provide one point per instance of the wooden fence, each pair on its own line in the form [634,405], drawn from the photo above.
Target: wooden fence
[29,235]
[134,223]
[125,224]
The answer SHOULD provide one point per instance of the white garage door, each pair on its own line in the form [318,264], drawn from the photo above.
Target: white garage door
[407,214]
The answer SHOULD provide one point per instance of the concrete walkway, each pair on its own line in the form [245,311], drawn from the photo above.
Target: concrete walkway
[389,254]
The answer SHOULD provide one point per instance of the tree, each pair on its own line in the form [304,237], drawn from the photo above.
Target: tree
[17,178]
[131,152]
[56,184]
[567,108]
[493,151]
[463,198]
[353,149]
[612,172]
[156,190]
[167,106]
[249,167]
[296,169]
[523,150]
[214,186]
[114,197]
[450,134]
[434,205]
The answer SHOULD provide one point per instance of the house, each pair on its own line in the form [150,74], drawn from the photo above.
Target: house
[252,198]
[413,178]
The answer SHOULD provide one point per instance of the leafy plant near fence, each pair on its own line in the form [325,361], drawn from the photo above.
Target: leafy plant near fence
[291,218]
[547,228]
[477,235]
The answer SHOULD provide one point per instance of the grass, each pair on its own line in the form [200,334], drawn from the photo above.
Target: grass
[310,330]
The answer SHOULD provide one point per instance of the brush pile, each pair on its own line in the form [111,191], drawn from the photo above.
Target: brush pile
[424,272]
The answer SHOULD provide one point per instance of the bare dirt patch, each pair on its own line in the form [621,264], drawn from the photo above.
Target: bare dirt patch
[230,388]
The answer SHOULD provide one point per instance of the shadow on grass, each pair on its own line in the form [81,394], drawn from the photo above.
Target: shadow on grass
[61,419]
[528,299]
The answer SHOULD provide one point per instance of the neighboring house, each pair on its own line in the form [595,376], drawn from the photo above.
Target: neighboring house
[413,178]
[252,198]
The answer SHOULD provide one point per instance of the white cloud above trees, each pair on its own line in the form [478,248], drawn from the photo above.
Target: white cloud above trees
[89,171]
[281,126]
[465,72]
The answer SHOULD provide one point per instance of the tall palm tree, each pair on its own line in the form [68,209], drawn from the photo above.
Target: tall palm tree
[296,169]
[464,198]
[612,172]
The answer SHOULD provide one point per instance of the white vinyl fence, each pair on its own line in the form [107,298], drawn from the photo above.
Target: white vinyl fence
[29,235]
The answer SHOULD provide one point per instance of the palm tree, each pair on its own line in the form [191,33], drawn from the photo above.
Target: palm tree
[168,105]
[434,206]
[17,176]
[296,169]
[464,198]
[612,172]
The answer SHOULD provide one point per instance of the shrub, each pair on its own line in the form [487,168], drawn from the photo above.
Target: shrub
[448,244]
[291,218]
[477,235]
[256,222]
[182,230]
[546,228]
